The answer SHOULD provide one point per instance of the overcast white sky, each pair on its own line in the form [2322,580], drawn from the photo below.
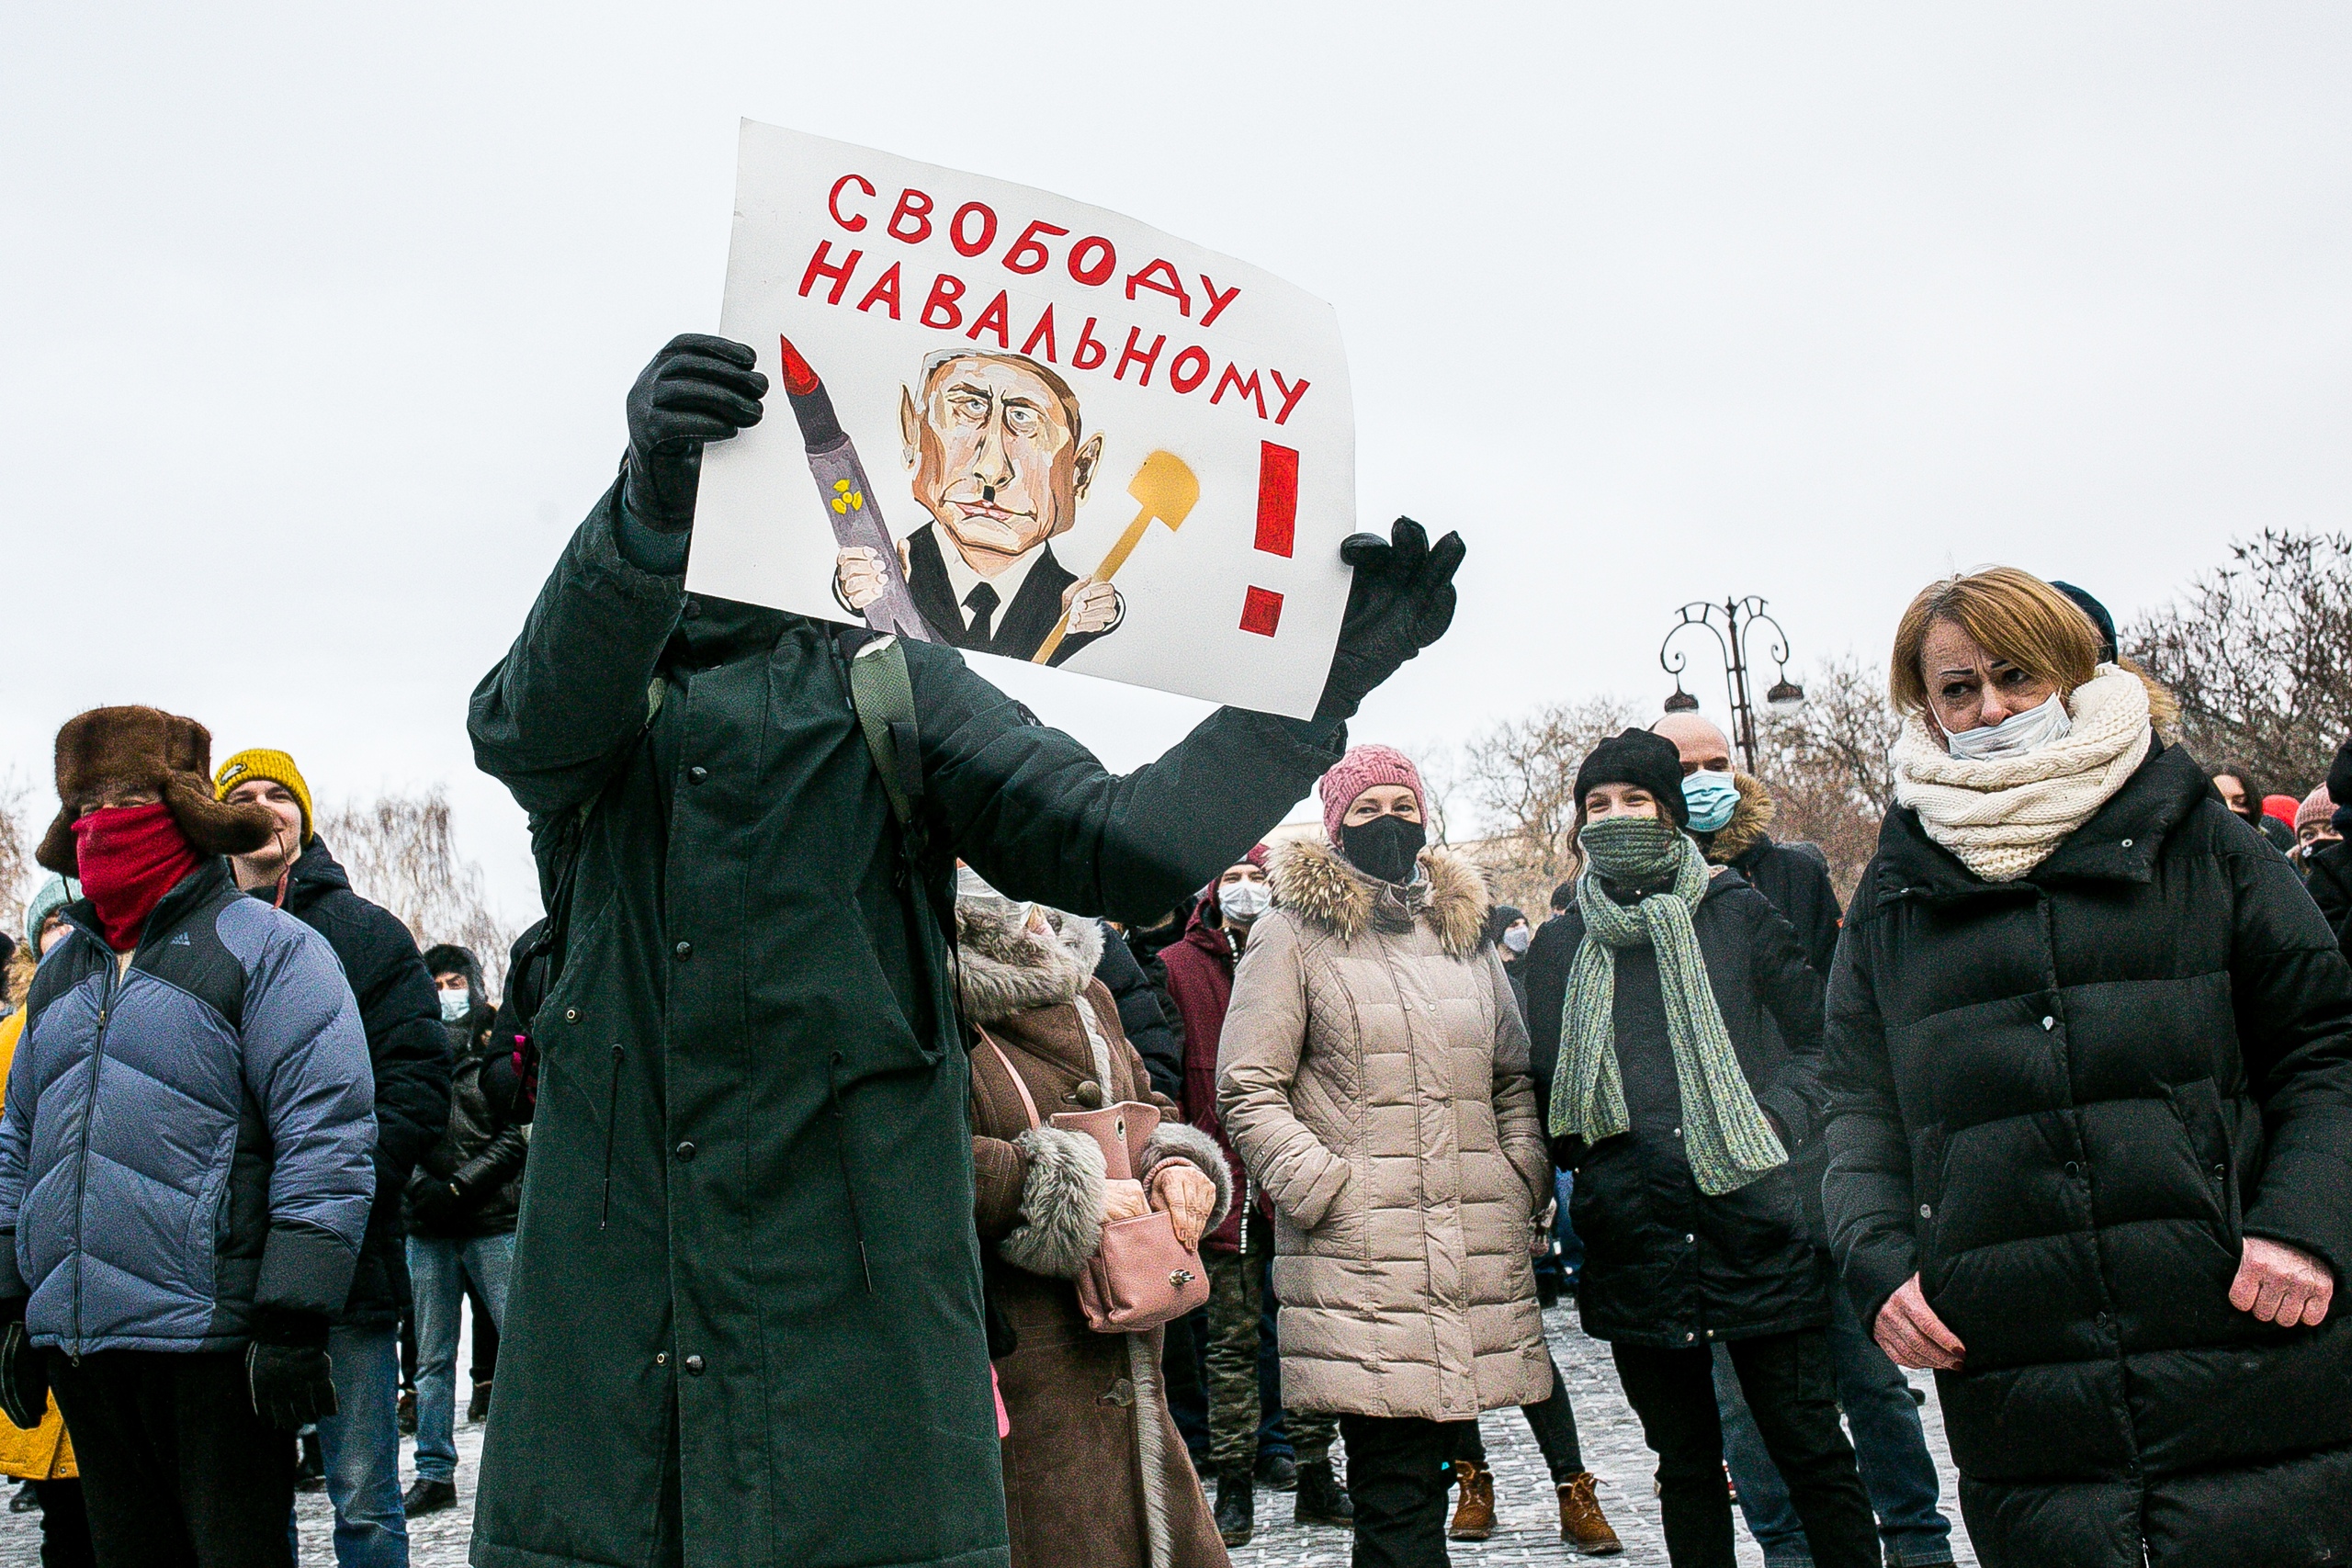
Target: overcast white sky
[315,321]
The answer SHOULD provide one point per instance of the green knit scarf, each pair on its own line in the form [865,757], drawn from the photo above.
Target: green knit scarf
[1725,1135]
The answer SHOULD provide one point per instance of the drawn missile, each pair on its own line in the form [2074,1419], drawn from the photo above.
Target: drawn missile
[842,486]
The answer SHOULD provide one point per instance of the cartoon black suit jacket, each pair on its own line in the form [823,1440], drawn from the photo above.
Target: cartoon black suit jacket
[1019,628]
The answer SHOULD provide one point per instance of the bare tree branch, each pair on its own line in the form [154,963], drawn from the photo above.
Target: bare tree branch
[1825,764]
[2256,654]
[1520,775]
[399,852]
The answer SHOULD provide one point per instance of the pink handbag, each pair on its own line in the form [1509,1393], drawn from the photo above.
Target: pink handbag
[1141,1276]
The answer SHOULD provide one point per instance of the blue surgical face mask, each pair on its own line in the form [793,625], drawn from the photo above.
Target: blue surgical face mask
[1711,797]
[455,1005]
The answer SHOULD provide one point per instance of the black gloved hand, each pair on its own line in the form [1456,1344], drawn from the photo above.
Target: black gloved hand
[434,1204]
[697,388]
[1401,602]
[24,1381]
[288,1368]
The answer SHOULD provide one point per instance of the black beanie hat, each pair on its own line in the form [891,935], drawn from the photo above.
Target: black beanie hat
[2100,620]
[1638,757]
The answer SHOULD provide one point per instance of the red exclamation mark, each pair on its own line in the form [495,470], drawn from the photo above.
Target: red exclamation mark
[1261,608]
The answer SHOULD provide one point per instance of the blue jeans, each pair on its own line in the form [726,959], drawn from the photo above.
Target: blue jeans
[437,1270]
[1890,1448]
[361,1443]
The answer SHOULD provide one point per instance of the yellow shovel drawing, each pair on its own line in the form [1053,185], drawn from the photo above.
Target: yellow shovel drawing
[1166,489]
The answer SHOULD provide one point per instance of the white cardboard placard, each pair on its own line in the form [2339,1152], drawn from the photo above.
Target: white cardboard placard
[1025,425]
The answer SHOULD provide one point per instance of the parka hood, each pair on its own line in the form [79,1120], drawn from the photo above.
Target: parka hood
[1003,968]
[1311,880]
[1748,819]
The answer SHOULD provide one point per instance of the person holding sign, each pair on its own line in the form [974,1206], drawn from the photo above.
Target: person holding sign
[746,1322]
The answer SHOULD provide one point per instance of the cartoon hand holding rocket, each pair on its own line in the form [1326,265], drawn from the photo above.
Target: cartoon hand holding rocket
[859,578]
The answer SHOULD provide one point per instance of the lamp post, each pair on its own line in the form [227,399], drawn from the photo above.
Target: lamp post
[1732,623]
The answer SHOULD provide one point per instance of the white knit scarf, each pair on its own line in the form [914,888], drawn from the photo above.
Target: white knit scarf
[2004,817]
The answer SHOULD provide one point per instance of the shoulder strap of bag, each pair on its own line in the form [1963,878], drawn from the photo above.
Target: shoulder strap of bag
[884,696]
[1018,1083]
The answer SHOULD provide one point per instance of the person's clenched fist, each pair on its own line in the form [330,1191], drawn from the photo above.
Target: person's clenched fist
[2281,1284]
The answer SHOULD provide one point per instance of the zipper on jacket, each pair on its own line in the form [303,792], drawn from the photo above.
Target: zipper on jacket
[841,1147]
[612,1109]
[1248,1197]
[116,971]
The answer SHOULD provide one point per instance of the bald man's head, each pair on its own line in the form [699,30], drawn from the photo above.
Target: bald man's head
[1704,748]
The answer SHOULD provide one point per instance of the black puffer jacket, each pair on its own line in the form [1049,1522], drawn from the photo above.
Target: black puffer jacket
[2328,877]
[1664,1266]
[2062,1101]
[1140,1017]
[406,1048]
[480,1156]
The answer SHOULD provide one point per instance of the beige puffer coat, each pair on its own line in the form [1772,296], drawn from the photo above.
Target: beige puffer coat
[1373,1077]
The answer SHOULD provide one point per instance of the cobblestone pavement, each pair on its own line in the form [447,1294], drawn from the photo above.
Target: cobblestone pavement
[1524,1507]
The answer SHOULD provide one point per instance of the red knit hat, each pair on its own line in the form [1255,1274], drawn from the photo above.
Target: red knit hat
[2317,807]
[1364,768]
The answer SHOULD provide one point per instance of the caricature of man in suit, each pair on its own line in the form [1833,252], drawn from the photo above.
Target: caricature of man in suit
[996,449]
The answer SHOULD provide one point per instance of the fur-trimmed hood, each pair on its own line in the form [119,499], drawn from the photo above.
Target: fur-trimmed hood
[1003,968]
[1748,819]
[1312,881]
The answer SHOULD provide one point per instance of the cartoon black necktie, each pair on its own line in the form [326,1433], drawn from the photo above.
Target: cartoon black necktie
[983,602]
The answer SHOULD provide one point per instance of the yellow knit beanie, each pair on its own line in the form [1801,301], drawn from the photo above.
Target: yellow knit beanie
[261,763]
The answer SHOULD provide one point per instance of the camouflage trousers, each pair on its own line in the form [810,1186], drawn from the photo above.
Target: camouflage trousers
[1237,1301]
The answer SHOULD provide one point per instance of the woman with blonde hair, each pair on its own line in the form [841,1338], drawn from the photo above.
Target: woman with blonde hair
[2090,1054]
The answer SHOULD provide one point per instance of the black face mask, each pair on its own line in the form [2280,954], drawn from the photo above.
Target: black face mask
[1385,847]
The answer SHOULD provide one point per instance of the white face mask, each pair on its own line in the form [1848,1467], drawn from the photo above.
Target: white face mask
[2015,735]
[455,1005]
[1517,938]
[1243,902]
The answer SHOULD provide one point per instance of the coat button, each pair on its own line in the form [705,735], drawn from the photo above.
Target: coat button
[684,950]
[2048,1022]
[1689,1240]
[2127,843]
[1122,1393]
[2104,1320]
[691,608]
[698,774]
[2073,1167]
[1088,1094]
[571,1015]
[1688,1337]
[2221,1172]
[686,1149]
[694,1365]
[1925,1211]
[662,1358]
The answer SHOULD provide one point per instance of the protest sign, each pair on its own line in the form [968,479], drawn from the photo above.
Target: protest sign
[1008,421]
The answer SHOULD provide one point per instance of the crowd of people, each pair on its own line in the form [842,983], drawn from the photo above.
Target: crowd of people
[905,1142]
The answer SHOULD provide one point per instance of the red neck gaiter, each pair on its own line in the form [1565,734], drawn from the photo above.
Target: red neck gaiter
[131,856]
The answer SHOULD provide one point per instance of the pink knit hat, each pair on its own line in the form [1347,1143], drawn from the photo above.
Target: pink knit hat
[2316,807]
[1364,768]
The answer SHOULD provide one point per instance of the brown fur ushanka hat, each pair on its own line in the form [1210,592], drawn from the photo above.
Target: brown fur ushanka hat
[142,747]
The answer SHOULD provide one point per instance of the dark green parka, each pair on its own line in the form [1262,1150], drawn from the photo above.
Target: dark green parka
[745,1320]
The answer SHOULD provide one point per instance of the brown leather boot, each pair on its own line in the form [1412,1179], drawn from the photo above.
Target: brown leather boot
[1473,1515]
[1582,1525]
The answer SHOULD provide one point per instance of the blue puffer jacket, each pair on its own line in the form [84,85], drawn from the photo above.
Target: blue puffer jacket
[188,1138]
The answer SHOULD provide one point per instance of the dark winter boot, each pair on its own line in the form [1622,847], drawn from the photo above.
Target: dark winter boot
[1321,1500]
[478,1407]
[1277,1470]
[1235,1502]
[428,1497]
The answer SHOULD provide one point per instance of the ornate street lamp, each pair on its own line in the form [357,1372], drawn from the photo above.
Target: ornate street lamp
[1733,622]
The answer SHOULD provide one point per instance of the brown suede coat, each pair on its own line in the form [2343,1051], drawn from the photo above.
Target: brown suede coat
[1095,1475]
